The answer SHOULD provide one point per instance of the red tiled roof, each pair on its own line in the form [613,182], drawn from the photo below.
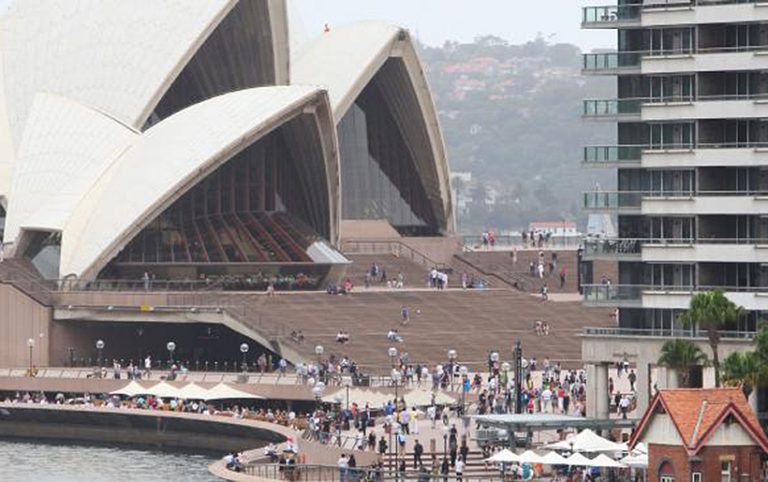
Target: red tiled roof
[696,414]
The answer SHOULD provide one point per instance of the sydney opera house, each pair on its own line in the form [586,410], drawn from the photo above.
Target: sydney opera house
[195,140]
[191,139]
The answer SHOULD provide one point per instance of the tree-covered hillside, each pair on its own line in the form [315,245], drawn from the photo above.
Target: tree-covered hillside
[511,116]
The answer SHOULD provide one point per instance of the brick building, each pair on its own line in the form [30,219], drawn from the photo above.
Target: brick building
[697,435]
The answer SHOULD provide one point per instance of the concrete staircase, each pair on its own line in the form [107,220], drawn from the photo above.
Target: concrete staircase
[474,322]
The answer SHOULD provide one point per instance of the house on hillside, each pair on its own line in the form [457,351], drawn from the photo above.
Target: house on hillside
[697,435]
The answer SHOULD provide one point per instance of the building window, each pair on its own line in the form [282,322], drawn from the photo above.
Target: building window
[696,477]
[725,471]
[667,478]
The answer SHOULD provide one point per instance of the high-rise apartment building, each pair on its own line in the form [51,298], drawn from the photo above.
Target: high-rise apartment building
[691,153]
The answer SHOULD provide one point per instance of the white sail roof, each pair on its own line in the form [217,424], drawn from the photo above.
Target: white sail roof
[165,162]
[65,148]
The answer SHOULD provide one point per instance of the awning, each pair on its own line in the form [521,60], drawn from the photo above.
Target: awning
[132,389]
[222,391]
[578,460]
[603,460]
[505,456]
[554,458]
[586,441]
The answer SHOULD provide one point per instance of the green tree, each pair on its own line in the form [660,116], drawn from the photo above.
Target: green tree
[680,355]
[711,311]
[744,369]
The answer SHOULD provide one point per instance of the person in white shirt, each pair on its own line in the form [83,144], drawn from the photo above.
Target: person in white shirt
[459,469]
[546,399]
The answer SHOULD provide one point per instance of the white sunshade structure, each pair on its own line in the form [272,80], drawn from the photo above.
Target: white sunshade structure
[586,441]
[165,390]
[222,391]
[193,391]
[505,456]
[132,389]
[530,457]
[636,461]
[578,460]
[423,398]
[604,461]
[554,458]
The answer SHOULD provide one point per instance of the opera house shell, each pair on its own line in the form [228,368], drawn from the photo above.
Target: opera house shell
[190,139]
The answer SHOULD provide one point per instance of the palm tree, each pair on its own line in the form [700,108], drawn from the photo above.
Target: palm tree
[711,311]
[745,370]
[680,355]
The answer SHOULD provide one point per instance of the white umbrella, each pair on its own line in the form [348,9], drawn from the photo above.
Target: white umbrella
[578,460]
[530,457]
[586,441]
[132,389]
[505,456]
[222,391]
[554,458]
[636,461]
[193,391]
[603,460]
[165,390]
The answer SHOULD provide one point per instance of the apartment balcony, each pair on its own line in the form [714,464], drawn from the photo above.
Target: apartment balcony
[746,154]
[674,13]
[665,250]
[675,61]
[668,297]
[705,202]
[649,109]
[610,16]
[628,202]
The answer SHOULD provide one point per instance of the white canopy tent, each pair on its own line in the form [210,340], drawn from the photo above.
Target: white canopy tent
[530,457]
[222,391]
[603,460]
[636,461]
[165,390]
[505,456]
[554,458]
[578,460]
[586,441]
[423,398]
[193,391]
[132,389]
[359,396]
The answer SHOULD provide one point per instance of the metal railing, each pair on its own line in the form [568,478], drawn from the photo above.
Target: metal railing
[612,294]
[607,154]
[611,61]
[612,107]
[329,473]
[631,59]
[610,15]
[633,246]
[663,332]
[395,248]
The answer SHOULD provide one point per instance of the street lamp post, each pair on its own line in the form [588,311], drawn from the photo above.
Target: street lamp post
[100,348]
[396,378]
[347,382]
[319,350]
[171,346]
[244,350]
[505,381]
[452,355]
[518,360]
[463,380]
[31,346]
[392,352]
[317,391]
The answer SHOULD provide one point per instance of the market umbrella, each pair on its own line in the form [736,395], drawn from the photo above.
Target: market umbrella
[636,461]
[554,458]
[505,456]
[530,457]
[222,391]
[578,460]
[603,460]
[165,390]
[193,391]
[132,389]
[586,441]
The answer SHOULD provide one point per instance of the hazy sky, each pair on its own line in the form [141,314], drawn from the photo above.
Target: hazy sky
[434,21]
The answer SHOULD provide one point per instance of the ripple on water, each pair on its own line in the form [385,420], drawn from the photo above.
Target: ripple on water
[43,462]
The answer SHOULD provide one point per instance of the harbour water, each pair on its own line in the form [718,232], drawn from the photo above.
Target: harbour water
[44,462]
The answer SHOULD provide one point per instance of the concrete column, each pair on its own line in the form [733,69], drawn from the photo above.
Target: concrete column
[597,393]
[644,387]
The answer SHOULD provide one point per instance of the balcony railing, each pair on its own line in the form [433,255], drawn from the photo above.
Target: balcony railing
[610,15]
[610,154]
[611,294]
[612,107]
[612,246]
[626,199]
[611,61]
[663,332]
